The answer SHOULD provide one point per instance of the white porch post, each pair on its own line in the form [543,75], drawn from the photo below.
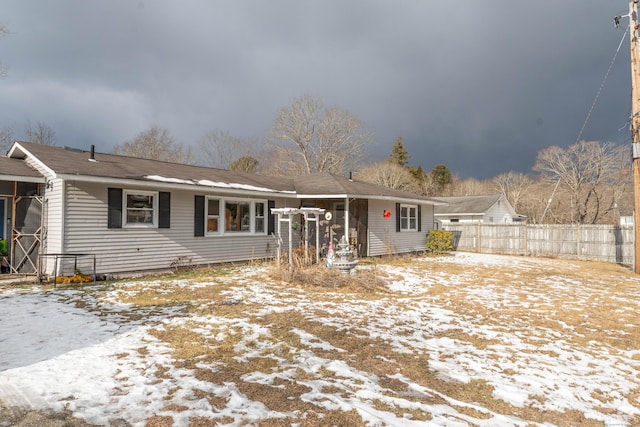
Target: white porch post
[317,218]
[346,218]
[290,242]
[306,238]
[279,239]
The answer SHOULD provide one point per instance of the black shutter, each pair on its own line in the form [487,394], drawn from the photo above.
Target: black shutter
[419,217]
[164,209]
[198,217]
[114,210]
[397,217]
[271,224]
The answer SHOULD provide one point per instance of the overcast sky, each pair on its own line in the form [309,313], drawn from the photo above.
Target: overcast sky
[480,85]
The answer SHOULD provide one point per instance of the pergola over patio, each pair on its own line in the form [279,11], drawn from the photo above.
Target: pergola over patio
[287,215]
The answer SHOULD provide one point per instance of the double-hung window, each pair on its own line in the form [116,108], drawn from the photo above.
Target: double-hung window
[408,218]
[141,208]
[213,215]
[138,208]
[259,217]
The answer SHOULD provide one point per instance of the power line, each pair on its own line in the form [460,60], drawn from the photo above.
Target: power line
[595,100]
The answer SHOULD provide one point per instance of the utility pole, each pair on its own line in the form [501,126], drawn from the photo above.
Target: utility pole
[635,125]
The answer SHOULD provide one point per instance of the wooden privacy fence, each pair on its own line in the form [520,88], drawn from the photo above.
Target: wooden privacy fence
[589,242]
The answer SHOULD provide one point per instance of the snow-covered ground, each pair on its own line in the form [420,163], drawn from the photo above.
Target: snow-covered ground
[521,328]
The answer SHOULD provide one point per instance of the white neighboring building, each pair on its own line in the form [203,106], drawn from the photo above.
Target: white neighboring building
[487,209]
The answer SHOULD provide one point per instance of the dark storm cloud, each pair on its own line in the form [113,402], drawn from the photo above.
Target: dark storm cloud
[480,86]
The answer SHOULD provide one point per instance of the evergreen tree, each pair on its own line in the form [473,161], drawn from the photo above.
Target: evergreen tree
[440,177]
[399,153]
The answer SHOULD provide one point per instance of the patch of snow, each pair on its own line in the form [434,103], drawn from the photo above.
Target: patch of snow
[216,184]
[75,350]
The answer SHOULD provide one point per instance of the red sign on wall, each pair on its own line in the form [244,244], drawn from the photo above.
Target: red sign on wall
[386,213]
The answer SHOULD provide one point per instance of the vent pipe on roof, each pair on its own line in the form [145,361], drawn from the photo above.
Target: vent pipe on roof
[350,176]
[93,152]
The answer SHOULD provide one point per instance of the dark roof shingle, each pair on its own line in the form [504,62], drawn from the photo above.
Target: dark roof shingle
[11,167]
[67,161]
[75,162]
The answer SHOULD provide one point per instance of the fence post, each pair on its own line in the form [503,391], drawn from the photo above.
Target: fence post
[578,251]
[540,242]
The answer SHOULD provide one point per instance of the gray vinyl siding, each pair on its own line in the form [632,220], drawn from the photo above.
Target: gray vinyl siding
[53,224]
[428,220]
[383,238]
[135,249]
[52,218]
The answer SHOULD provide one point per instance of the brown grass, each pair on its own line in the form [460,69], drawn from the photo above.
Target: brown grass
[359,280]
[587,302]
[159,421]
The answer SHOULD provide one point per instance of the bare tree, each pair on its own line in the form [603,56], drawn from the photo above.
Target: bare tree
[40,133]
[221,150]
[157,144]
[6,138]
[3,68]
[586,172]
[388,174]
[534,203]
[311,138]
[514,186]
[469,187]
[245,164]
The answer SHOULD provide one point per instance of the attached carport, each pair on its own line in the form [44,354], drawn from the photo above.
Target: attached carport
[21,216]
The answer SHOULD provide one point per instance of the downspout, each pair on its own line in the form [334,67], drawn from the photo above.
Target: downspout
[346,212]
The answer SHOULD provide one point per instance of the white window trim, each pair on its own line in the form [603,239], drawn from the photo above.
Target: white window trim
[408,217]
[125,223]
[222,218]
[265,207]
[206,216]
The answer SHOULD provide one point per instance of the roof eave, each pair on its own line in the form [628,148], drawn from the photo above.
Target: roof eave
[24,153]
[371,197]
[170,185]
[21,178]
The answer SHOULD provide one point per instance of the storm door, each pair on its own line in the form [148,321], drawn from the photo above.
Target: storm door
[27,229]
[358,216]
